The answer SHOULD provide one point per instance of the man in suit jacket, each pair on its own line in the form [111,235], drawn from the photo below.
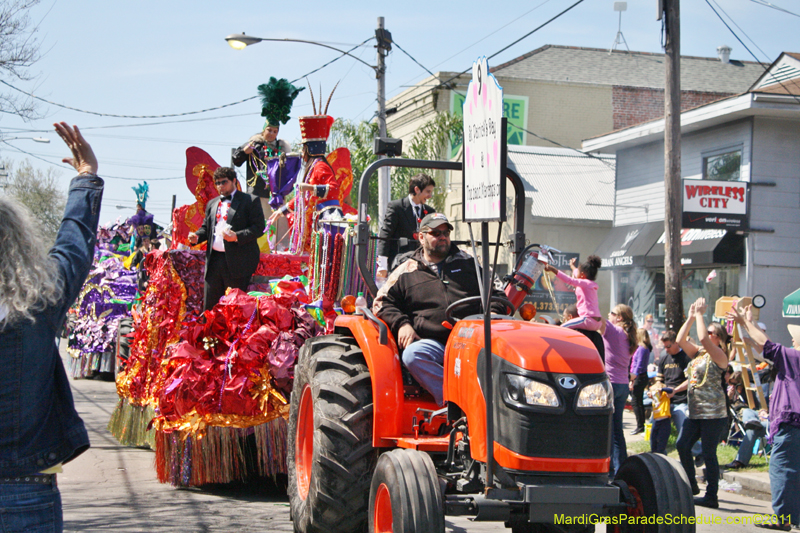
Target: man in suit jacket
[233,222]
[402,222]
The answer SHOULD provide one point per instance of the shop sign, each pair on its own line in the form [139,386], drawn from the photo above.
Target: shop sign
[515,110]
[618,257]
[715,204]
[564,294]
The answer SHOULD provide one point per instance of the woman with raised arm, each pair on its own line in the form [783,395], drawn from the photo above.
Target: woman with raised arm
[708,416]
[40,429]
[619,340]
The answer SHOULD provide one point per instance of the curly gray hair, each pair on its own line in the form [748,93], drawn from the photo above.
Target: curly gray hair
[29,279]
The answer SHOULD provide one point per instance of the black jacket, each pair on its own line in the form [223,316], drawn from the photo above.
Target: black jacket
[415,294]
[246,218]
[398,223]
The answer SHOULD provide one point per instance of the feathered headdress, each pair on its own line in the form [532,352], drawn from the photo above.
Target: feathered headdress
[142,194]
[277,98]
[315,129]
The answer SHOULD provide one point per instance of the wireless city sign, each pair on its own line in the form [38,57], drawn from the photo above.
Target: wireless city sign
[715,204]
[484,191]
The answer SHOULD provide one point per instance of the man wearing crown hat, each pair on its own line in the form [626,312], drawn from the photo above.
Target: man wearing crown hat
[326,182]
[277,98]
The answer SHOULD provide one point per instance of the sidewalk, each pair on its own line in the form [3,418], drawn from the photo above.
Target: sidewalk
[754,484]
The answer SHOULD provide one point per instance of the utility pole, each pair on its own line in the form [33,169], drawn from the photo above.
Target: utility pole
[672,166]
[384,40]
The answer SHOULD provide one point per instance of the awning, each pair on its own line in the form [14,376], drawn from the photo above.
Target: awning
[627,246]
[701,247]
[791,305]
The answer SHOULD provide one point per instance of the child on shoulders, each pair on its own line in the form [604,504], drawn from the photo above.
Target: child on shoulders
[659,432]
[585,291]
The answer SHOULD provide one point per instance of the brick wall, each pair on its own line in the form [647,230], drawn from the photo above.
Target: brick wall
[634,105]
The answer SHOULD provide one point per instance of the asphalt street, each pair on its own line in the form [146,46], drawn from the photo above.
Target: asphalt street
[112,487]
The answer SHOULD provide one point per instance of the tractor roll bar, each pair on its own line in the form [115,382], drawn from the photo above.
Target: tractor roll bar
[363,236]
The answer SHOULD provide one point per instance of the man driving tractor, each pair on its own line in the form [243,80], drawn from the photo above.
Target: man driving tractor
[417,293]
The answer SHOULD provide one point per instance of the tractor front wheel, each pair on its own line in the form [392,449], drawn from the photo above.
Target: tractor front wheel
[658,486]
[405,496]
[330,451]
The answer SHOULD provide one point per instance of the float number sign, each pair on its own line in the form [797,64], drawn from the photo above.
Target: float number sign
[484,147]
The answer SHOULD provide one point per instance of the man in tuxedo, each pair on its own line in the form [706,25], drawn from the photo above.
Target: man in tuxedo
[401,225]
[233,222]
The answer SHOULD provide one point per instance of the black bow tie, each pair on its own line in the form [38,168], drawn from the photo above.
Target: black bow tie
[227,198]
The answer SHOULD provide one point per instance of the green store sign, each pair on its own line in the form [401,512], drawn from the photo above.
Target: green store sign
[515,109]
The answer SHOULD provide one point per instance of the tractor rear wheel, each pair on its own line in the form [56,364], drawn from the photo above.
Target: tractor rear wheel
[659,487]
[405,496]
[330,451]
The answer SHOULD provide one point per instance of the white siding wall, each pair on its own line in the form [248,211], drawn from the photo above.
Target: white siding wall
[775,256]
[640,170]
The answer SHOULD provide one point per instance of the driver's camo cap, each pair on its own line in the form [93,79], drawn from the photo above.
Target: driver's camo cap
[434,220]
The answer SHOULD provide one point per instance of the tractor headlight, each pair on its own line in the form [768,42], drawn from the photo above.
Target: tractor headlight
[596,396]
[537,393]
[530,392]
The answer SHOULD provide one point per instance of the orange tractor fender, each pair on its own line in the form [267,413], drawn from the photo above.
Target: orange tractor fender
[387,377]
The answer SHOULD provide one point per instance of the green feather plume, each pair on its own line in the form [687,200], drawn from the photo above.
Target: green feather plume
[277,98]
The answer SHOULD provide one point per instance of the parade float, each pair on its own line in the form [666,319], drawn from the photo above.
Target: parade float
[108,293]
[209,391]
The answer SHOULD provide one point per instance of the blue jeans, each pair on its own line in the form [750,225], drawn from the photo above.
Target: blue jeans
[659,435]
[784,473]
[619,450]
[709,430]
[425,361]
[679,413]
[33,508]
[750,436]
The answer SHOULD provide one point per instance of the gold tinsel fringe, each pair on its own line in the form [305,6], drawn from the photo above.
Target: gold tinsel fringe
[221,454]
[129,423]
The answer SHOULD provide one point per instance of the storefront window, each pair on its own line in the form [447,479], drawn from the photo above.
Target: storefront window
[710,284]
[644,292]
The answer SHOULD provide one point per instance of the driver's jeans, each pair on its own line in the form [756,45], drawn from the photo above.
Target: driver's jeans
[425,361]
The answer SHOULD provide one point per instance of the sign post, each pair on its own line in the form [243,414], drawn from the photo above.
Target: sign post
[484,200]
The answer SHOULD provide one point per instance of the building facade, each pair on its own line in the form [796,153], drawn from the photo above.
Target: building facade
[750,140]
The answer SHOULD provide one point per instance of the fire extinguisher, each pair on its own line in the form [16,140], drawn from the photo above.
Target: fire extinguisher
[529,267]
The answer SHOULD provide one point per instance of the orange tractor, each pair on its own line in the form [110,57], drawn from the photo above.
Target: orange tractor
[370,450]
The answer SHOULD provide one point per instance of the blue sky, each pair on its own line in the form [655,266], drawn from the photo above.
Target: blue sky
[169,57]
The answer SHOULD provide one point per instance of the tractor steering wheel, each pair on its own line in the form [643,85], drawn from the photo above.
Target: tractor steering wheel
[470,300]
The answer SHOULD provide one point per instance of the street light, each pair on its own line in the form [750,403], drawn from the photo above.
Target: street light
[240,41]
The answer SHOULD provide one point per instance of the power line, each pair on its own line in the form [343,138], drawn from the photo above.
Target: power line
[170,115]
[104,176]
[123,116]
[773,6]
[444,83]
[412,58]
[483,38]
[765,67]
[585,154]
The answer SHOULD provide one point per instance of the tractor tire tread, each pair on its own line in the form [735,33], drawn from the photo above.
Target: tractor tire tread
[337,500]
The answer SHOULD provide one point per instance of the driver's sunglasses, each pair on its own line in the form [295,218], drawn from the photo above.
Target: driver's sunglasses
[221,182]
[436,233]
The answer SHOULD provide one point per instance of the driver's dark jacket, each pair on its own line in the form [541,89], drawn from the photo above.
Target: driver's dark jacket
[416,294]
[39,426]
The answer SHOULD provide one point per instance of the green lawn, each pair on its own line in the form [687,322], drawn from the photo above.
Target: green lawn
[725,453]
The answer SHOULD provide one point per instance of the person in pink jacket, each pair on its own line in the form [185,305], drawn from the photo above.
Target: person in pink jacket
[585,291]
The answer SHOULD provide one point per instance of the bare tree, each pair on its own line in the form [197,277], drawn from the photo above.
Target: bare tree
[38,191]
[19,49]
